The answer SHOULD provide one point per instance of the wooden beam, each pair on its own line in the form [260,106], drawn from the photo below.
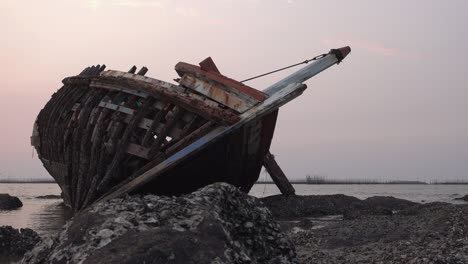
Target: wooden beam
[183,68]
[238,102]
[277,175]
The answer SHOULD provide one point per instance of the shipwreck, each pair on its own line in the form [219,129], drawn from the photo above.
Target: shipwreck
[108,133]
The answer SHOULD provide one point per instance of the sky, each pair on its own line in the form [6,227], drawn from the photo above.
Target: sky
[396,108]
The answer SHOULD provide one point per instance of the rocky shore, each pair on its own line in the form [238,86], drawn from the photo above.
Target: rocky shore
[216,224]
[220,224]
[284,207]
[15,243]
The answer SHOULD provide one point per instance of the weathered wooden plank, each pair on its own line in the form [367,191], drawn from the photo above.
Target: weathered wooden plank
[115,107]
[270,104]
[183,68]
[172,93]
[277,175]
[225,96]
[142,71]
[102,85]
[138,150]
[209,65]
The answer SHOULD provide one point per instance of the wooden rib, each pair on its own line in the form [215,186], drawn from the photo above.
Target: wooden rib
[161,137]
[67,142]
[46,127]
[105,131]
[149,136]
[85,145]
[97,152]
[76,141]
[142,151]
[49,129]
[188,127]
[176,147]
[124,143]
[101,159]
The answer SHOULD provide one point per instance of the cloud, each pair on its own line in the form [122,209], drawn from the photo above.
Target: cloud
[96,4]
[187,12]
[370,46]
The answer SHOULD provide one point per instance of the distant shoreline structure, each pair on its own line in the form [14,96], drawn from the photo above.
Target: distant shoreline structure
[351,182]
[27,181]
[320,180]
[306,181]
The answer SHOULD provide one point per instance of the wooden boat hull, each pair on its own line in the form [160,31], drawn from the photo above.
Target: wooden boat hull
[102,129]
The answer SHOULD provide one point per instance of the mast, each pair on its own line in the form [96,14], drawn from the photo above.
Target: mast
[335,56]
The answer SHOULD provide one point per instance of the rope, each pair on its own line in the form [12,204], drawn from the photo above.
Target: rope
[287,67]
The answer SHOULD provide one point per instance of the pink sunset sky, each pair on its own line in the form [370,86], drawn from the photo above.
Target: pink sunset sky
[396,108]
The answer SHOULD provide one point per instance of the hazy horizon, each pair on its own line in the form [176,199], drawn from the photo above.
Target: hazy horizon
[394,109]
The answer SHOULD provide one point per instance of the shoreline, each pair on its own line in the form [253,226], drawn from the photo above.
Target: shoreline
[345,229]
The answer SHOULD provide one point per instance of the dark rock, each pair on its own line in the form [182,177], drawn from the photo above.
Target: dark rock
[216,224]
[377,205]
[464,198]
[14,242]
[388,202]
[8,202]
[294,206]
[49,196]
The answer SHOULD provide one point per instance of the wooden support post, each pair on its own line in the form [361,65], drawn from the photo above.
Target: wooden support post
[277,175]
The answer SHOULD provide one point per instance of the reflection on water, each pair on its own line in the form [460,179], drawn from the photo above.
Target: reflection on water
[47,216]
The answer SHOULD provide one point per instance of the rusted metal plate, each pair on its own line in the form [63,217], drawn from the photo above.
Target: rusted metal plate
[183,68]
[237,102]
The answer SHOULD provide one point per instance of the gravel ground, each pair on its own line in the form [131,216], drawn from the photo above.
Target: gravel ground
[429,233]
